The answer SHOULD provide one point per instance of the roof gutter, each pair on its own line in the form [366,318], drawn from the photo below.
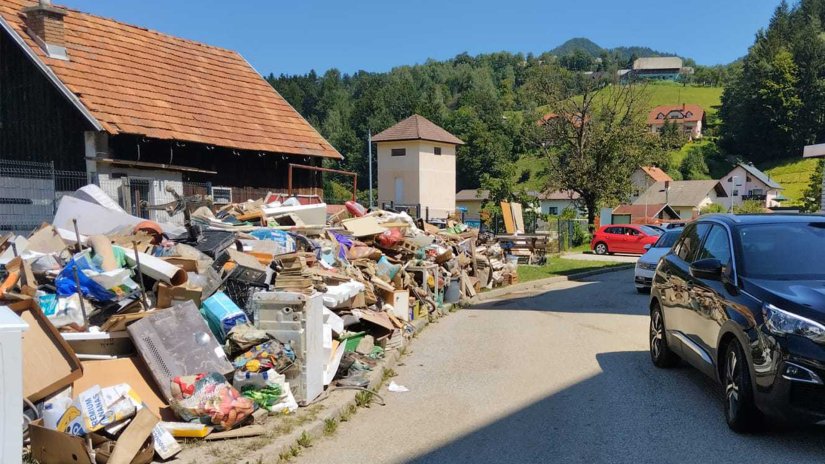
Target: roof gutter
[47,71]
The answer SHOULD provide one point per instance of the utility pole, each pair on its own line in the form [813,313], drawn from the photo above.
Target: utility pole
[369,144]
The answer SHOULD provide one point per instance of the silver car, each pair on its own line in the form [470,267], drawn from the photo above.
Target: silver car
[646,266]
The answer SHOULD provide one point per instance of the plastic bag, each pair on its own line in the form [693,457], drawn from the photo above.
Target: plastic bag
[284,241]
[210,400]
[66,286]
[222,314]
[390,237]
[386,270]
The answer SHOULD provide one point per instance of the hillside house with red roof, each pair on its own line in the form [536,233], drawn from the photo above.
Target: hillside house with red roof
[121,102]
[689,118]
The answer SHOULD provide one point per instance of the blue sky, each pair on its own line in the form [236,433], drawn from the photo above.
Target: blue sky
[294,36]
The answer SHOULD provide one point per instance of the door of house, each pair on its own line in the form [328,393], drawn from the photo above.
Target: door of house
[139,197]
[399,190]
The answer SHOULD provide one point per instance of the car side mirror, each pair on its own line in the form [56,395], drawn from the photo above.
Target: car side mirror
[648,246]
[710,269]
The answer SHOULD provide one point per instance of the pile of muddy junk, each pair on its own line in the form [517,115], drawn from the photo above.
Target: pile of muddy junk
[132,335]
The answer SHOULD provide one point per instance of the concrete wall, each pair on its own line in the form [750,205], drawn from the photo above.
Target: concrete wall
[428,179]
[392,167]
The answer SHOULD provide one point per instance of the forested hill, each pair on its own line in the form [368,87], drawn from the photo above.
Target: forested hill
[482,99]
[624,54]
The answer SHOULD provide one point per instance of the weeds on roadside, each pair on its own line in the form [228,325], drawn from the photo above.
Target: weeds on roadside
[330,426]
[305,440]
[363,399]
[348,413]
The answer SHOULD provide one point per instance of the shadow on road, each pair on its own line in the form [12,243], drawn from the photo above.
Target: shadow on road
[587,297]
[631,412]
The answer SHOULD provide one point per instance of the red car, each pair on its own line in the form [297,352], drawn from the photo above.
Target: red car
[625,238]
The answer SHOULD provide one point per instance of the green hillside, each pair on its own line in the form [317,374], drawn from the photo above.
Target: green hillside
[793,174]
[670,93]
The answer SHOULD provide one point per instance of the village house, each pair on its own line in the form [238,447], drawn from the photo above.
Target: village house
[470,202]
[554,202]
[644,177]
[643,214]
[688,118]
[138,111]
[685,197]
[417,167]
[662,68]
[747,183]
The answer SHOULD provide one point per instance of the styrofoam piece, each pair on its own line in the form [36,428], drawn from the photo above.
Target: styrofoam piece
[310,214]
[21,243]
[156,268]
[338,296]
[94,219]
[95,194]
[334,362]
[334,321]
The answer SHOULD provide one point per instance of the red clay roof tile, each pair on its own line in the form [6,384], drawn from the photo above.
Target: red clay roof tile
[137,81]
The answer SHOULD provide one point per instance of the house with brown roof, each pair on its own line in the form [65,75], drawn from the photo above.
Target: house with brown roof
[688,118]
[745,182]
[686,197]
[644,214]
[417,166]
[644,177]
[143,110]
[470,202]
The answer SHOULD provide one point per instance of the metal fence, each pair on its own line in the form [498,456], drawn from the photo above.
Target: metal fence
[30,193]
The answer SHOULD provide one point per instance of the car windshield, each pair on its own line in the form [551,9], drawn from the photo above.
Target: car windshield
[668,239]
[786,251]
[650,230]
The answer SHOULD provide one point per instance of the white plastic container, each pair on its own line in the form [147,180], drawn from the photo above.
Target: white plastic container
[11,386]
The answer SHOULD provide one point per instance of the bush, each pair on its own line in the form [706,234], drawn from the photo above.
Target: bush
[580,235]
[749,207]
[713,208]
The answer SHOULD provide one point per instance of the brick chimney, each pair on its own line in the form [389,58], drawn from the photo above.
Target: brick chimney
[44,23]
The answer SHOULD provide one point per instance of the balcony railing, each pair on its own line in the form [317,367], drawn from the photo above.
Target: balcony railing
[754,197]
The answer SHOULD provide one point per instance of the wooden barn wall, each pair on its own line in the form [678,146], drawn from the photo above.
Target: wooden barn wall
[235,168]
[37,122]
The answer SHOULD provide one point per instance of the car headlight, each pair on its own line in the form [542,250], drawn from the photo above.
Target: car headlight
[646,266]
[781,322]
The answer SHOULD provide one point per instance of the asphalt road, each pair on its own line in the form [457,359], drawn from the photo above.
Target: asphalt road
[562,376]
[590,256]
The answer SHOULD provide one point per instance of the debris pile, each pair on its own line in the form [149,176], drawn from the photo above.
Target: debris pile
[142,333]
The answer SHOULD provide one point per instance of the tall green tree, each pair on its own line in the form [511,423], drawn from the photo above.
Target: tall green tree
[597,141]
[812,197]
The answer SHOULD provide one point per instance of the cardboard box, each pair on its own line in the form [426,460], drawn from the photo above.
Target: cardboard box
[169,296]
[400,301]
[49,363]
[125,370]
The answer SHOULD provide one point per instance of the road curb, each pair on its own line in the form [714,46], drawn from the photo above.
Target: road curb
[535,284]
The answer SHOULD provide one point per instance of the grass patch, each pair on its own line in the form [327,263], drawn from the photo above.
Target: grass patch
[330,426]
[670,93]
[305,440]
[794,174]
[363,399]
[561,267]
[348,413]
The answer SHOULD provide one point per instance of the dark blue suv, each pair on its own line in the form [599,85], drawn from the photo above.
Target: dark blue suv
[742,299]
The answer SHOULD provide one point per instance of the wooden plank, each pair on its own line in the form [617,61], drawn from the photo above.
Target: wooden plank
[507,214]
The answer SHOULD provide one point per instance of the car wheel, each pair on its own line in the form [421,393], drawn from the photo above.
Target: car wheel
[600,248]
[740,409]
[660,353]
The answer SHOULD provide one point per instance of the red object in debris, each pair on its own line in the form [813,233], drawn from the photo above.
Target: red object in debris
[152,228]
[390,237]
[355,208]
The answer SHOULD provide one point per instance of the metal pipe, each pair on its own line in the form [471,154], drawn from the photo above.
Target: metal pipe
[77,236]
[369,143]
[140,277]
